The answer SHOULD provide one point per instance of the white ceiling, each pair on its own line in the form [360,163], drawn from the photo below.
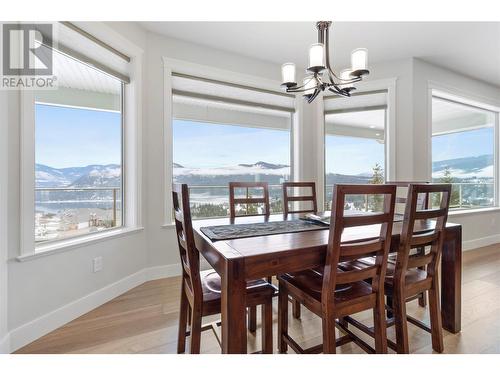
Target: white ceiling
[470,48]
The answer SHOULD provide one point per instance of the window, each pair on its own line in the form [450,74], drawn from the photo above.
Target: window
[78,153]
[228,133]
[463,152]
[355,144]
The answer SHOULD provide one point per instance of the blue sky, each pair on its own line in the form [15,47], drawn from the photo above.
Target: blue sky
[463,144]
[203,145]
[72,137]
[352,156]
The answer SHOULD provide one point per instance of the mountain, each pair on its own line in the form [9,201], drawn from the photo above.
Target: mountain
[221,176]
[46,176]
[100,175]
[90,175]
[264,165]
[465,168]
[176,165]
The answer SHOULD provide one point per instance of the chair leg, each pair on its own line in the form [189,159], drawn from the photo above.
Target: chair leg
[401,324]
[329,341]
[189,312]
[183,318]
[252,319]
[296,309]
[267,327]
[435,318]
[195,331]
[380,329]
[282,319]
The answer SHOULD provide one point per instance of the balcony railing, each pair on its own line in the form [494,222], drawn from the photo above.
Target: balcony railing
[465,195]
[472,195]
[213,200]
[67,212]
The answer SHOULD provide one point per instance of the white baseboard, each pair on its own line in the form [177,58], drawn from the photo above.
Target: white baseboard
[480,242]
[5,344]
[161,272]
[35,329]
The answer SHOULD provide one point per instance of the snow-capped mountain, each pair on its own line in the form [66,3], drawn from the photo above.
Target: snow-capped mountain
[90,175]
[46,176]
[100,175]
[257,168]
[465,168]
[272,173]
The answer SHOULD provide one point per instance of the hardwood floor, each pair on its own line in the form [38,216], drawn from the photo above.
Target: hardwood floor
[144,320]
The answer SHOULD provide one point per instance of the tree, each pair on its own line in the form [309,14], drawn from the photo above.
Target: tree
[378,174]
[455,195]
[376,201]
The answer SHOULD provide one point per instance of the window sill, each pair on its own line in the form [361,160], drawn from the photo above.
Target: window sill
[65,245]
[473,211]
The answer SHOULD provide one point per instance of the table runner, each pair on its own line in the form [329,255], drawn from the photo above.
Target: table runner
[234,231]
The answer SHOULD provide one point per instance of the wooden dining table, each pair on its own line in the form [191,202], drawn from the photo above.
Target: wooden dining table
[243,259]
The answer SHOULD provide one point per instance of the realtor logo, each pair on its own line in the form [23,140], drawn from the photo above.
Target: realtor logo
[27,56]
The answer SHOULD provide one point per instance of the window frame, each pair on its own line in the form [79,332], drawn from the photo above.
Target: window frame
[122,168]
[388,85]
[463,99]
[131,162]
[171,65]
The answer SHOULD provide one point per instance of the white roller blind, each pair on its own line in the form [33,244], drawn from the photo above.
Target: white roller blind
[87,49]
[356,101]
[361,115]
[201,99]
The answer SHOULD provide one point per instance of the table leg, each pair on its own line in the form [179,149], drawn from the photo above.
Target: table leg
[233,308]
[451,280]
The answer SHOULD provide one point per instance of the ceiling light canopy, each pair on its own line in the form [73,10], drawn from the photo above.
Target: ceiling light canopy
[320,76]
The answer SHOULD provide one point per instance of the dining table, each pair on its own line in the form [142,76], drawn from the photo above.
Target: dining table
[238,260]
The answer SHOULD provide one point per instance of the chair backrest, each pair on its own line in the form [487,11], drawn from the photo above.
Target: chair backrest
[423,199]
[248,199]
[433,236]
[379,246]
[190,257]
[299,198]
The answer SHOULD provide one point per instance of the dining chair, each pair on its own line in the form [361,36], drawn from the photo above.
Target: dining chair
[404,279]
[335,293]
[287,198]
[423,203]
[201,290]
[234,202]
[248,199]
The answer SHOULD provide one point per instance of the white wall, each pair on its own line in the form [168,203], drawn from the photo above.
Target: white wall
[3,221]
[45,292]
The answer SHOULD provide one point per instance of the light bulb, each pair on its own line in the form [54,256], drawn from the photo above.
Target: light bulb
[288,73]
[359,61]
[317,57]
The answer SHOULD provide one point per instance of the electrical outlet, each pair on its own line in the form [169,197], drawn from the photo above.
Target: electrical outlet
[97,264]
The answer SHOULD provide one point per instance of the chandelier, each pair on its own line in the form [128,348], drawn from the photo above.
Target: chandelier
[320,76]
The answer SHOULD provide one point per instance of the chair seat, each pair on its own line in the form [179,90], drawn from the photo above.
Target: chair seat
[311,282]
[413,276]
[257,290]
